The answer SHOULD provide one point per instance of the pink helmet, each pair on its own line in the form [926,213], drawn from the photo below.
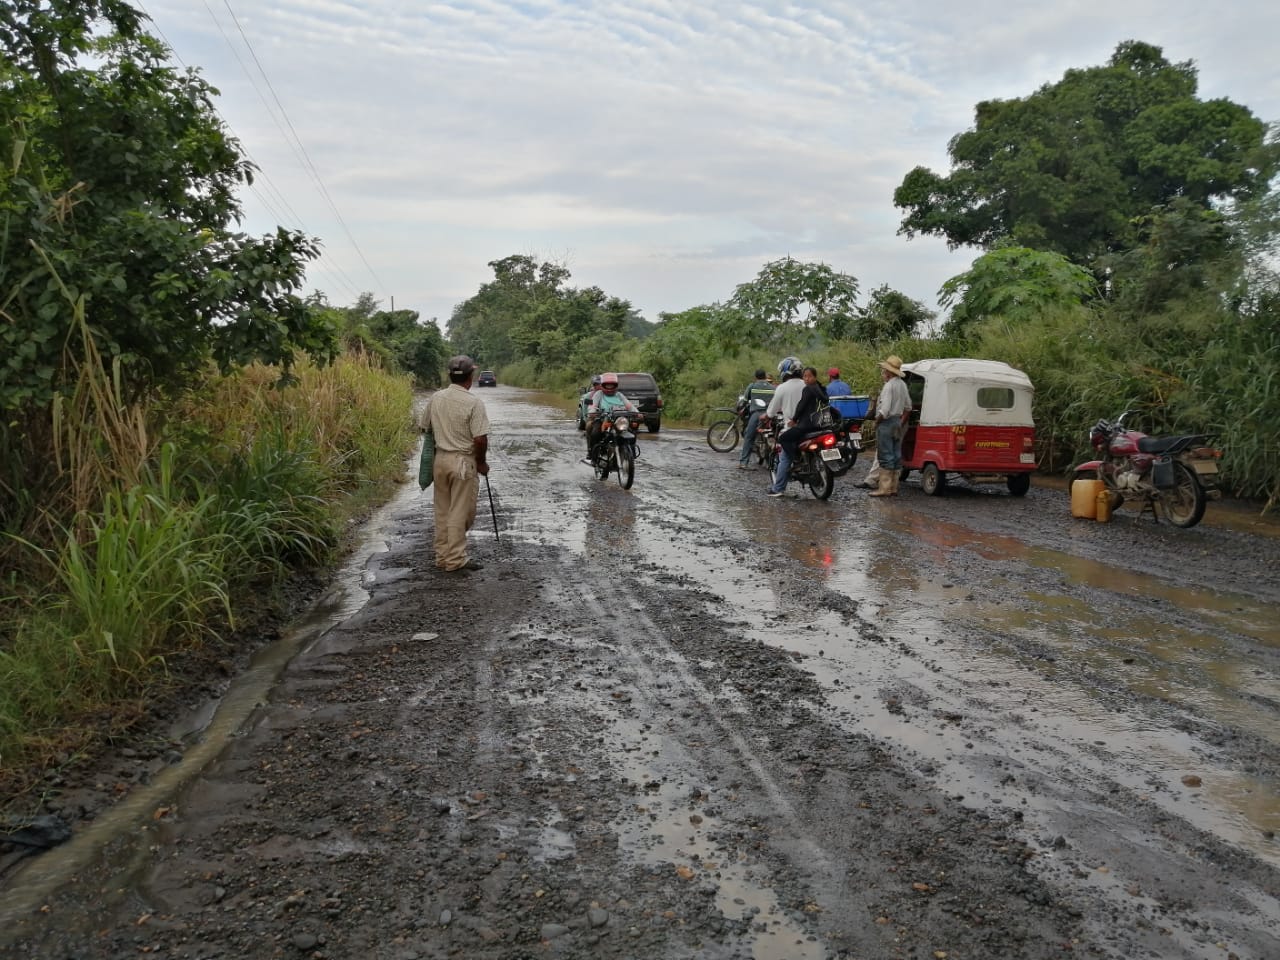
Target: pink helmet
[609,378]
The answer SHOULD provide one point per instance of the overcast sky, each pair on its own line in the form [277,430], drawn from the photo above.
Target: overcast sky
[663,151]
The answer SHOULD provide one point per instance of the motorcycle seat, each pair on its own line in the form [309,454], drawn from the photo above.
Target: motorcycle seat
[1167,444]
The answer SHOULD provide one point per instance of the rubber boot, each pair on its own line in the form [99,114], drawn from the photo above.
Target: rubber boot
[885,486]
[895,476]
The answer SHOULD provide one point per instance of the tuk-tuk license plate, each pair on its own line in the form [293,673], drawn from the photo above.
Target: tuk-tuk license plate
[1028,458]
[832,454]
[1205,466]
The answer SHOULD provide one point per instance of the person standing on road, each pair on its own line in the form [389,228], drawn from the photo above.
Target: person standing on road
[458,421]
[892,408]
[837,387]
[786,401]
[760,388]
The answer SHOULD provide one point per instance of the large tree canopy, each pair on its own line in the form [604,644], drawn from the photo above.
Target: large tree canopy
[1076,166]
[787,298]
[118,204]
[527,312]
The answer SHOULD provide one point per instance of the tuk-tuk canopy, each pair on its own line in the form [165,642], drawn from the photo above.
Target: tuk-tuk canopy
[960,390]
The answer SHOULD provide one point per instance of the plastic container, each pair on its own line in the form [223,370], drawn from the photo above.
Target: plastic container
[1102,506]
[1084,498]
[851,407]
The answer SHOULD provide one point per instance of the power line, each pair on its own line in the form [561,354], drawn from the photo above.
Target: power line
[310,166]
[263,186]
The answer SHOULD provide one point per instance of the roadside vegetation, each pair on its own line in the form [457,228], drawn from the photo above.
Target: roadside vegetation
[183,431]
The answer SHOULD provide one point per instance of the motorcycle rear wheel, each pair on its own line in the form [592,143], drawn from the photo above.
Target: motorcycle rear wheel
[1183,502]
[820,481]
[626,465]
[722,436]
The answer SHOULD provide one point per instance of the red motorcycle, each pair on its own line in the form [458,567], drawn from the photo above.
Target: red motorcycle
[1178,473]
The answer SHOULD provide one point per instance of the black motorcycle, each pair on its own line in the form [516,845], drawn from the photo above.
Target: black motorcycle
[849,442]
[818,453]
[615,451]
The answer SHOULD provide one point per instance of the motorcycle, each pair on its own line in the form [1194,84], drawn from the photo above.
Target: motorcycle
[723,435]
[818,453]
[1178,473]
[616,450]
[849,442]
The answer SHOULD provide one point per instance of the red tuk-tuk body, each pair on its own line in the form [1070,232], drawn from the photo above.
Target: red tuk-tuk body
[970,418]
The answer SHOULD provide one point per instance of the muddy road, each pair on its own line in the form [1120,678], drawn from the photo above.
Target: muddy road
[689,721]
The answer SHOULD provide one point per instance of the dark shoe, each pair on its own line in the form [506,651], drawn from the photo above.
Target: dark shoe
[472,565]
[776,493]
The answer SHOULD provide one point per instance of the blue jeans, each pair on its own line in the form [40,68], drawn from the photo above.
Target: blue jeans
[889,444]
[749,435]
[789,442]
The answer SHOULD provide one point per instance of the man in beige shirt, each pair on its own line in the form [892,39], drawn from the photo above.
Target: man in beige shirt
[458,421]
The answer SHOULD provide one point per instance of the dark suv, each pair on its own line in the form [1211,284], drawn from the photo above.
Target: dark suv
[487,379]
[641,389]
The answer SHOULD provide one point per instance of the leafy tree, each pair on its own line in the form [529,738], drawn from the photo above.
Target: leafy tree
[789,297]
[889,315]
[1015,283]
[526,311]
[1076,166]
[118,192]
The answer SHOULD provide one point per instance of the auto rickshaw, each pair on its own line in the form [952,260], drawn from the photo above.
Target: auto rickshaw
[969,418]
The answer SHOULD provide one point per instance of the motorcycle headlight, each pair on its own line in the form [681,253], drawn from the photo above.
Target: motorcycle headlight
[622,424]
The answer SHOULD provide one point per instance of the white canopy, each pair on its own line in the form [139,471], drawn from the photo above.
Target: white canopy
[960,390]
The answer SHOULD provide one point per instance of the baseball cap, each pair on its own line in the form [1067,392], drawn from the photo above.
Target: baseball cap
[461,364]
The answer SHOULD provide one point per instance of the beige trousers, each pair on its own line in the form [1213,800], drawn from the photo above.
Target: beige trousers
[457,485]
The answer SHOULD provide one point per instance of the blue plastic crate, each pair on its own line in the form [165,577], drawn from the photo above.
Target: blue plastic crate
[851,407]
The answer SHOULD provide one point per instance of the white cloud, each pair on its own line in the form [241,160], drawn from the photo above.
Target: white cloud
[665,149]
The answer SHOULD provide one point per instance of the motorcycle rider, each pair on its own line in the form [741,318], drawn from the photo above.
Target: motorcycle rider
[762,389]
[796,399]
[837,387]
[605,401]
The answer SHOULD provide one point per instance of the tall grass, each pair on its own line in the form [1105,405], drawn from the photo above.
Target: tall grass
[164,519]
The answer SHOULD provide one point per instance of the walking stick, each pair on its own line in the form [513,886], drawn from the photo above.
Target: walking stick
[492,512]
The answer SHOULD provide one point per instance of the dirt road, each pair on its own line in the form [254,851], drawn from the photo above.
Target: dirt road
[688,721]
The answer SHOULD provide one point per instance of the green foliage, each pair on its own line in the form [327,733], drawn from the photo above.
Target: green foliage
[1074,167]
[1016,284]
[118,192]
[789,300]
[888,315]
[527,311]
[398,337]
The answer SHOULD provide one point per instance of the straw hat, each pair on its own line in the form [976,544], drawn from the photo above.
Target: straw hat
[893,364]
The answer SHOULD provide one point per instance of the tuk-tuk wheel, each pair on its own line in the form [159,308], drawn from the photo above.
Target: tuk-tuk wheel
[932,480]
[1019,484]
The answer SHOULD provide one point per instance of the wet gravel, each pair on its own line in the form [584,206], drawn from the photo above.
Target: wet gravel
[675,722]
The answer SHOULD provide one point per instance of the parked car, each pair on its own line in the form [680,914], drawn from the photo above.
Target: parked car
[641,389]
[486,379]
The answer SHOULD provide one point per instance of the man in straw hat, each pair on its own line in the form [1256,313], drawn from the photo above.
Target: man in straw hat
[892,409]
[458,421]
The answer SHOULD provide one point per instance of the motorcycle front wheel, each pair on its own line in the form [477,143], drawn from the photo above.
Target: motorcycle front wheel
[722,436]
[820,481]
[626,465]
[1183,502]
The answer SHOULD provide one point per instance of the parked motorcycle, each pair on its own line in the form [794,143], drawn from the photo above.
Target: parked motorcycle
[818,453]
[616,449]
[849,442]
[723,434]
[1178,473]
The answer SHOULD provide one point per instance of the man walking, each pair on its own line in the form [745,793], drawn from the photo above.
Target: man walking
[891,420]
[458,420]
